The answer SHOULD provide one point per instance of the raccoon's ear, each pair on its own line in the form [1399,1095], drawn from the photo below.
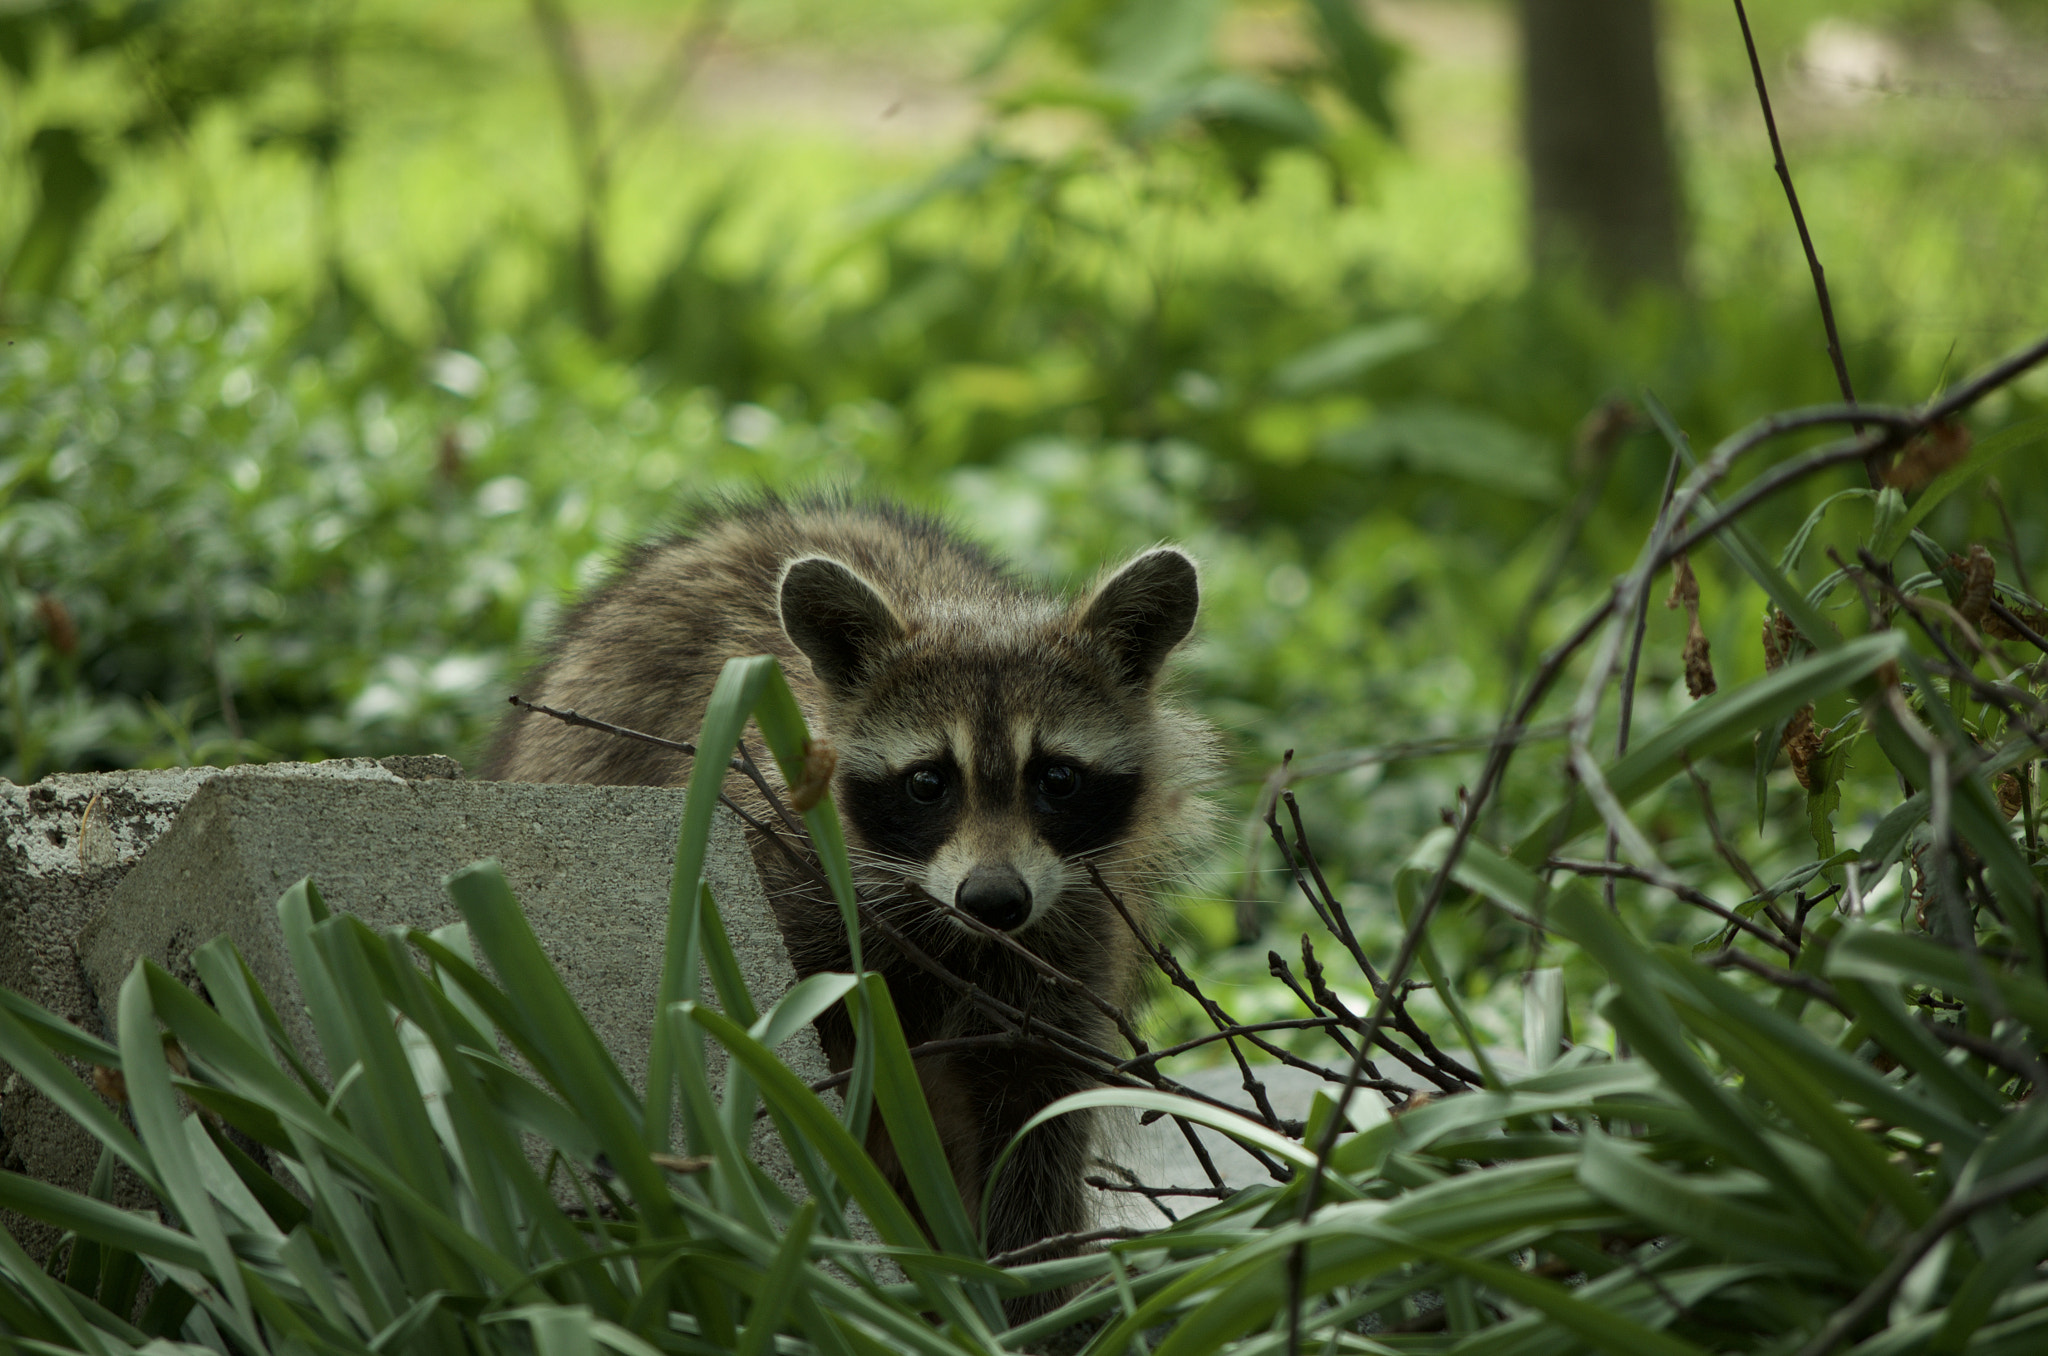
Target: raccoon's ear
[835,617]
[1144,610]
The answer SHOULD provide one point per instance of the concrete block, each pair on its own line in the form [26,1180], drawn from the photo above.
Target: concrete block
[66,842]
[590,865]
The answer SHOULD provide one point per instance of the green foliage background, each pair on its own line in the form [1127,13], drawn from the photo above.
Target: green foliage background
[312,413]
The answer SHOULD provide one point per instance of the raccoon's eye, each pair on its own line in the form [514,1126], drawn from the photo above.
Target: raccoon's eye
[1059,781]
[925,786]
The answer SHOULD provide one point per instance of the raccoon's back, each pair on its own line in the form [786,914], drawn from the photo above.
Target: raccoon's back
[645,648]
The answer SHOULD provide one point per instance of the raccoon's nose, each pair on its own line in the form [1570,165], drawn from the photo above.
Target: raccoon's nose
[996,895]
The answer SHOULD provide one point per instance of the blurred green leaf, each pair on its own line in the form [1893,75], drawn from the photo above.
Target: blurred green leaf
[1445,441]
[1350,355]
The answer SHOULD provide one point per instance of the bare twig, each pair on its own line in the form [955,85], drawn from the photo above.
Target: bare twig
[2009,1058]
[1820,282]
[1635,655]
[1137,1188]
[1664,880]
[1179,977]
[1060,1243]
[1812,985]
[1301,861]
[1736,861]
[2019,624]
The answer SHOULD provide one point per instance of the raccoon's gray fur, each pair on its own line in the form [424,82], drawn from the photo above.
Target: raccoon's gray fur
[992,740]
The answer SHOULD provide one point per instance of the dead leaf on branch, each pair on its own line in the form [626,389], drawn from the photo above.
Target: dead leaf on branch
[1928,455]
[1698,655]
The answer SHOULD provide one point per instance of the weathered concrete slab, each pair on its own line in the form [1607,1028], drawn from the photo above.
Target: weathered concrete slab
[590,865]
[66,842]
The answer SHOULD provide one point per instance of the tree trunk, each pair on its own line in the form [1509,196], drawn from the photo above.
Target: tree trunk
[1603,194]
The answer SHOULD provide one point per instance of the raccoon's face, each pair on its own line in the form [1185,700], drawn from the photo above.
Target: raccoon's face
[987,752]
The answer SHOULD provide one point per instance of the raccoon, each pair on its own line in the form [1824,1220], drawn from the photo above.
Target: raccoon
[994,741]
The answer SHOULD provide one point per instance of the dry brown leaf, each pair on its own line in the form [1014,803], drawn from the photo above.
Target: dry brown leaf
[1699,662]
[1978,573]
[1802,744]
[2010,799]
[111,1084]
[1928,455]
[820,760]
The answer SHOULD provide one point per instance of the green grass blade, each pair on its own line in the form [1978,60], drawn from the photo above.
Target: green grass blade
[807,1000]
[1644,1016]
[779,1287]
[226,1186]
[1599,1327]
[1573,1092]
[1792,1053]
[1869,953]
[2019,1252]
[452,939]
[725,1143]
[552,1028]
[100,1221]
[899,1096]
[781,723]
[1974,816]
[1938,1082]
[1240,1128]
[207,1037]
[298,909]
[1714,723]
[1409,884]
[1690,1207]
[486,1152]
[220,970]
[32,1059]
[301,1257]
[53,1031]
[242,981]
[82,1270]
[53,1301]
[340,1216]
[159,1124]
[725,718]
[398,1127]
[845,1156]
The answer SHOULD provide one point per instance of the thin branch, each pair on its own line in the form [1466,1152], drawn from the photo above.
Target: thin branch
[1665,881]
[1153,1193]
[1635,655]
[1820,282]
[1736,861]
[1954,1212]
[1301,860]
[2019,624]
[1060,1243]
[1180,979]
[2013,1061]
[1812,985]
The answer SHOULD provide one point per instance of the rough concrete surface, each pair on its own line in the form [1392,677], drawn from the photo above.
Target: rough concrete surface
[590,865]
[65,843]
[97,870]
